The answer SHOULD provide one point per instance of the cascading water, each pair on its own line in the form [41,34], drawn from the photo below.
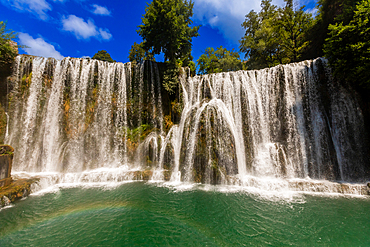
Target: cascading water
[89,120]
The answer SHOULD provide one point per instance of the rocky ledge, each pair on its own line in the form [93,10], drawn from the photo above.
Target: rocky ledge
[17,189]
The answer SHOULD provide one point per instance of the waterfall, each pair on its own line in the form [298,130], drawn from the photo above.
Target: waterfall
[53,115]
[78,116]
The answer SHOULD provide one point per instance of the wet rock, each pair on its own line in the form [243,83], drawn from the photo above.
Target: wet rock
[18,189]
[148,174]
[6,160]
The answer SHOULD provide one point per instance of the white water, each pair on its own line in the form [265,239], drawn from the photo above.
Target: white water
[274,124]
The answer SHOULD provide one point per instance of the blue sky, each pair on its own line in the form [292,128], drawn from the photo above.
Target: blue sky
[79,28]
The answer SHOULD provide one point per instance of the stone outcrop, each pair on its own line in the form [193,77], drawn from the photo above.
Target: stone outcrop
[6,159]
[16,190]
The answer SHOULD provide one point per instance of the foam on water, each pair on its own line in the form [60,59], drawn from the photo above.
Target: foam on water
[6,207]
[268,188]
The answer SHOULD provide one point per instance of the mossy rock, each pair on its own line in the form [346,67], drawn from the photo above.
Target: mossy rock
[16,190]
[6,150]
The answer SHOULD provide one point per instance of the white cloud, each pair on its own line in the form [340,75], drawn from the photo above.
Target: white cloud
[36,7]
[105,34]
[226,15]
[38,47]
[100,10]
[77,25]
[84,30]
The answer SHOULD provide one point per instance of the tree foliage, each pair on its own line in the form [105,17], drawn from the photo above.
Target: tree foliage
[293,26]
[221,60]
[166,28]
[328,12]
[8,48]
[103,56]
[348,45]
[275,35]
[258,43]
[138,54]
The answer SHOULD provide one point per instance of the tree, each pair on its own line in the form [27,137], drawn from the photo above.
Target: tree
[348,47]
[293,26]
[103,56]
[275,35]
[138,54]
[166,28]
[221,60]
[258,42]
[328,10]
[8,48]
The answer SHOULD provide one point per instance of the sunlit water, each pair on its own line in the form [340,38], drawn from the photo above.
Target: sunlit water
[165,214]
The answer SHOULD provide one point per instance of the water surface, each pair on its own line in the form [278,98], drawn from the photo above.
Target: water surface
[149,214]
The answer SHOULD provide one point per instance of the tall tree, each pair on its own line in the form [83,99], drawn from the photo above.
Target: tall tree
[103,56]
[275,35]
[348,46]
[293,27]
[137,53]
[327,12]
[166,27]
[258,41]
[221,60]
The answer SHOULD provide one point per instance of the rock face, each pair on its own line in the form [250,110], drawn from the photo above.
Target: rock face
[6,159]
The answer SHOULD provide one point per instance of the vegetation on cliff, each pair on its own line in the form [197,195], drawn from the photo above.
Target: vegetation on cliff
[8,51]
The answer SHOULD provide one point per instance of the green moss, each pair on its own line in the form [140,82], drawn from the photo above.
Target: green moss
[135,134]
[7,153]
